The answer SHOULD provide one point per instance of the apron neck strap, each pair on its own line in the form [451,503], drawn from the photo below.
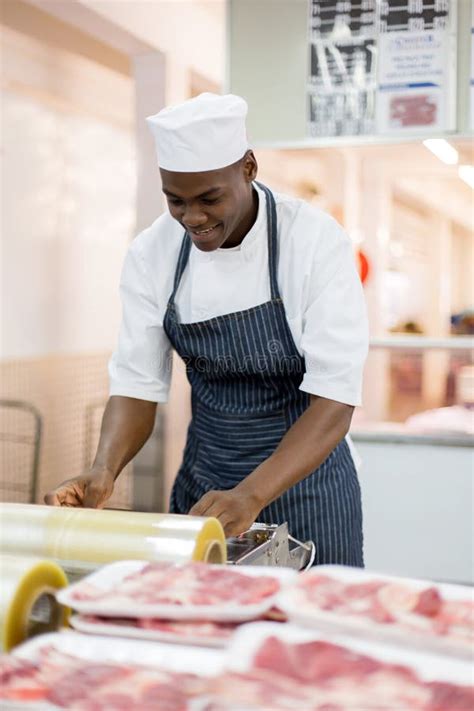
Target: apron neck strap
[181,265]
[272,236]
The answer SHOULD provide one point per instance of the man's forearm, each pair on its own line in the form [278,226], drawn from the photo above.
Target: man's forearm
[302,450]
[126,425]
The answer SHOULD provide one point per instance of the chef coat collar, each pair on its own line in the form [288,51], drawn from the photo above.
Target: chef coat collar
[246,248]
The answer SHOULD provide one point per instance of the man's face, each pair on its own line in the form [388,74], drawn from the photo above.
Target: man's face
[213,206]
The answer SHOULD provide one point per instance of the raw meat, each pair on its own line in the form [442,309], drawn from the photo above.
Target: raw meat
[15,668]
[196,632]
[308,676]
[388,603]
[19,677]
[321,676]
[184,629]
[80,685]
[192,584]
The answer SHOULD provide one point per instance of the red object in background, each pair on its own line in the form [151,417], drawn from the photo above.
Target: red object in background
[419,110]
[363,266]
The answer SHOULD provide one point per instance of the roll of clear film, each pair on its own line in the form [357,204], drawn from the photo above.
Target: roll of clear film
[80,538]
[27,598]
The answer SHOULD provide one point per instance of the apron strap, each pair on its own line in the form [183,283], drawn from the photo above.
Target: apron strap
[181,265]
[272,240]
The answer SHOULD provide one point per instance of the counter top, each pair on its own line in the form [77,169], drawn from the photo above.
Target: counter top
[441,439]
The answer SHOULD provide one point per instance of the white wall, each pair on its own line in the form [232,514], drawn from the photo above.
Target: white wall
[191,32]
[68,199]
[418,510]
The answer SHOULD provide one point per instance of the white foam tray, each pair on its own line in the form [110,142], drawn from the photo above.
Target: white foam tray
[122,630]
[324,620]
[238,657]
[108,577]
[182,658]
[248,638]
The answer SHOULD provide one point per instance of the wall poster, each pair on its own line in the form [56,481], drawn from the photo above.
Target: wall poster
[342,78]
[381,66]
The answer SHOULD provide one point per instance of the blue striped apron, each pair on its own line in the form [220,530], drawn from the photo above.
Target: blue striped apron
[245,370]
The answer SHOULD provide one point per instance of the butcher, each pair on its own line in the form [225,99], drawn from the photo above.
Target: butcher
[258,293]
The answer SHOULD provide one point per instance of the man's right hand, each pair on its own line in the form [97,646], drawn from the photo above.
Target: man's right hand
[126,425]
[89,490]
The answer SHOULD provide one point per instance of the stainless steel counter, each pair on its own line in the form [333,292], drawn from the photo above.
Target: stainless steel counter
[441,439]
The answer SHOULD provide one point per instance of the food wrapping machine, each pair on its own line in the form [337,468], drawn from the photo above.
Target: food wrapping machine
[266,544]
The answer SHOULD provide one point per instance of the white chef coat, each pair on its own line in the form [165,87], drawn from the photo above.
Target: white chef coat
[318,283]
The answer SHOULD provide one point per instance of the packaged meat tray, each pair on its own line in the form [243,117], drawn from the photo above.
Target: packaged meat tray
[404,611]
[187,591]
[86,673]
[194,632]
[285,667]
[204,633]
[269,667]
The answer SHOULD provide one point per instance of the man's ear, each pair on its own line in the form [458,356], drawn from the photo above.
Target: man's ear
[250,166]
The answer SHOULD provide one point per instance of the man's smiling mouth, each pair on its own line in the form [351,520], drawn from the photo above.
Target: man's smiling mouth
[202,233]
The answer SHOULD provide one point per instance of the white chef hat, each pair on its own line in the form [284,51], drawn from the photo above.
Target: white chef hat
[203,133]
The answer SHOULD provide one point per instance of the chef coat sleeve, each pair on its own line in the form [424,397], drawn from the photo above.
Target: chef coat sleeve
[334,328]
[141,364]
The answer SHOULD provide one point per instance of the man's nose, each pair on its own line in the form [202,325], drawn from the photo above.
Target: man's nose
[193,216]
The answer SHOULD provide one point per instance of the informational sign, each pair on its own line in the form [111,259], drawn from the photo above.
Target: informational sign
[342,79]
[415,15]
[413,76]
[380,66]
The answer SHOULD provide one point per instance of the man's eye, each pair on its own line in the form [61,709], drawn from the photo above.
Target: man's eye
[210,201]
[174,202]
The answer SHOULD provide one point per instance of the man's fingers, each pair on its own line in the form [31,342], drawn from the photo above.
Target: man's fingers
[64,496]
[200,510]
[202,506]
[52,499]
[195,510]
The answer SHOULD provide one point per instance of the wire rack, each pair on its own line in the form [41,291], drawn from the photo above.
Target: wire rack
[21,426]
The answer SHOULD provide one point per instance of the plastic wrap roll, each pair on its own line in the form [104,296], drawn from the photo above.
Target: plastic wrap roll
[27,598]
[85,538]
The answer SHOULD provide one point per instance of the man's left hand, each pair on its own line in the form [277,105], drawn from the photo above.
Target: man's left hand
[235,510]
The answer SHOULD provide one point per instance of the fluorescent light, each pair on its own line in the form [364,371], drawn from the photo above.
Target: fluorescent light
[442,150]
[466,173]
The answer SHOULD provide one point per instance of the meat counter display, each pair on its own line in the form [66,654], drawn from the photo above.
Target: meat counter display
[314,658]
[414,436]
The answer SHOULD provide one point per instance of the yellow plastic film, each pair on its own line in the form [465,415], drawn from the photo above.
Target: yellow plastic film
[27,598]
[92,537]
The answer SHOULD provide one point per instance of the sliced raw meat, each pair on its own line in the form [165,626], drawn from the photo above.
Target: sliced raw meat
[450,697]
[73,683]
[305,676]
[19,680]
[321,676]
[203,629]
[384,602]
[192,584]
[15,668]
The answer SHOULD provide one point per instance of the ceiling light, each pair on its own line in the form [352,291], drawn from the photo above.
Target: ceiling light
[466,173]
[442,150]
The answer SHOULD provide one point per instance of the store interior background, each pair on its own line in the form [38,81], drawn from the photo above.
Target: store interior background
[80,179]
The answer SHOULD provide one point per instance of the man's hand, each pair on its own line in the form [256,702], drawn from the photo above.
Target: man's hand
[89,490]
[235,509]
